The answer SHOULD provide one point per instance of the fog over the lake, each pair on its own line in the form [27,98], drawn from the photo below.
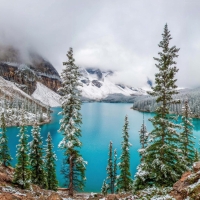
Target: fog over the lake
[117,35]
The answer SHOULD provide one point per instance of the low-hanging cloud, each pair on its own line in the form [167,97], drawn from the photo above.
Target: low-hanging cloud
[111,35]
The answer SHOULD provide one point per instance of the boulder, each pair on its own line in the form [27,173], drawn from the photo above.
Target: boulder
[95,196]
[179,191]
[5,177]
[54,196]
[196,166]
[112,197]
[188,185]
[185,176]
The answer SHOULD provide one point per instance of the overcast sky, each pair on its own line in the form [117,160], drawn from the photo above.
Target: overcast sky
[120,35]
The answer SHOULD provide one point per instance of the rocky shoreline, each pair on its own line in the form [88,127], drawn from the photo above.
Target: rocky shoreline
[188,187]
[31,124]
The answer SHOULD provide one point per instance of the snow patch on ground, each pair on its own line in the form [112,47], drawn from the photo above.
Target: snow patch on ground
[46,95]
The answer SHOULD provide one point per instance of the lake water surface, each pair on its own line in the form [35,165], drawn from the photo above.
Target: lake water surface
[102,123]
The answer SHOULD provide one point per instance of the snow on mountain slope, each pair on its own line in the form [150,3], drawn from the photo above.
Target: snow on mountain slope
[12,99]
[46,95]
[97,85]
[8,88]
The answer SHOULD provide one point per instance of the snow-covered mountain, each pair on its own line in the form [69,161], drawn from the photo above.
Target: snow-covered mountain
[98,85]
[46,95]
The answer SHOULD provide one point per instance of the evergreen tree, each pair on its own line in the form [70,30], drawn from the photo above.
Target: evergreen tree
[110,172]
[22,168]
[73,164]
[124,181]
[5,157]
[143,137]
[104,189]
[186,136]
[163,163]
[115,169]
[38,175]
[50,167]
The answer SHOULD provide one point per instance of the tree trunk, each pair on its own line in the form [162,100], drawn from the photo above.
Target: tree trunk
[71,189]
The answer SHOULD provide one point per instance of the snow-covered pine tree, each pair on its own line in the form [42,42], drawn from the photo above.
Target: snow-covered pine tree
[162,163]
[110,172]
[186,136]
[22,173]
[5,157]
[115,168]
[104,189]
[124,180]
[38,175]
[73,164]
[143,137]
[50,166]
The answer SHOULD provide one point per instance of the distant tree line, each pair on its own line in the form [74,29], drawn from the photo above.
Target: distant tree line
[149,104]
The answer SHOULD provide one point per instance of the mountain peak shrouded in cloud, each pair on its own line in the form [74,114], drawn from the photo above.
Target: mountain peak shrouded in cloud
[11,54]
[118,36]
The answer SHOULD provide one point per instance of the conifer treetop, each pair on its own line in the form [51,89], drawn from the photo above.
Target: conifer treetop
[165,78]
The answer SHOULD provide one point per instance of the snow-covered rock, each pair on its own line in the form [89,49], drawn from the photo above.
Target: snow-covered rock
[46,95]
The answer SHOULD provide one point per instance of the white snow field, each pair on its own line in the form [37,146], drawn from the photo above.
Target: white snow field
[46,95]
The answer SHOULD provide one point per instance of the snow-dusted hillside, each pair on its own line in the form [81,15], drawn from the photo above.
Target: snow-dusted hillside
[46,95]
[10,89]
[42,93]
[97,85]
[13,99]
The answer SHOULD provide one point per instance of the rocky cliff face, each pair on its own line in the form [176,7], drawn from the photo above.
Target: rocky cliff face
[26,72]
[188,187]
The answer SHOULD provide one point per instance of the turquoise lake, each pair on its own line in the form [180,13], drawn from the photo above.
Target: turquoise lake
[102,123]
